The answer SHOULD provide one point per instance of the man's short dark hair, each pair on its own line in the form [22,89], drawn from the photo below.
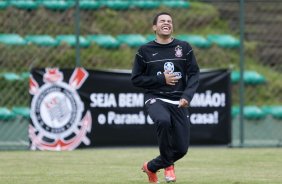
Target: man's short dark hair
[157,16]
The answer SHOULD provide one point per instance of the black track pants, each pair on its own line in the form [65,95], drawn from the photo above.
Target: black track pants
[173,132]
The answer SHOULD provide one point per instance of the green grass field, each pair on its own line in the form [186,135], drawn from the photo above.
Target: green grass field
[122,165]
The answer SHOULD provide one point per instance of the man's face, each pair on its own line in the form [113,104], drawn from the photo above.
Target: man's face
[164,26]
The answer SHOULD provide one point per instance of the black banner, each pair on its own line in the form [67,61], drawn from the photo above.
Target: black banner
[73,108]
[210,109]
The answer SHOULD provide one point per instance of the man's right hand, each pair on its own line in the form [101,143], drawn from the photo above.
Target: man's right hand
[170,78]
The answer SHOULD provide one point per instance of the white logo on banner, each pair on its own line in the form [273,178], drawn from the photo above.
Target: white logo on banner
[56,112]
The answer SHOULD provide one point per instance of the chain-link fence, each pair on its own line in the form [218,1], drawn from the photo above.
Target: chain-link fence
[41,33]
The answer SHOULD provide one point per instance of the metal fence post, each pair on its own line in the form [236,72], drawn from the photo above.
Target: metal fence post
[77,33]
[242,32]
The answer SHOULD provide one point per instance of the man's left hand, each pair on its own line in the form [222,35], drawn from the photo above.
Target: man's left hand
[183,103]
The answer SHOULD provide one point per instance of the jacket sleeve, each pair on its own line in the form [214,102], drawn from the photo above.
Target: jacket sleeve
[139,77]
[193,74]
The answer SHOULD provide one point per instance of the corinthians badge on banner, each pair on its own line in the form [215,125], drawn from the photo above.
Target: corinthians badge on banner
[56,112]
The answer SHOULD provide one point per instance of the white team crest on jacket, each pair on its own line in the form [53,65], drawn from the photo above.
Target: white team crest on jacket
[169,67]
[178,51]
